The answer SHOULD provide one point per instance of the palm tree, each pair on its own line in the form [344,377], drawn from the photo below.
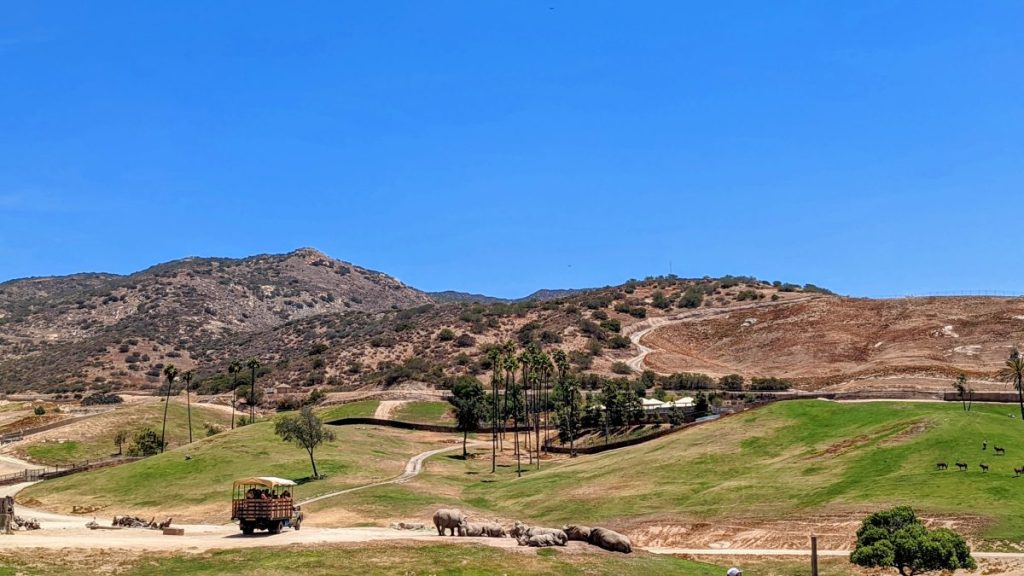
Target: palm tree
[253,365]
[526,362]
[544,366]
[1013,373]
[496,365]
[187,377]
[234,368]
[170,373]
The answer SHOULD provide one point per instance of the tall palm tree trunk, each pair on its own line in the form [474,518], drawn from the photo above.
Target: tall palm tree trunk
[163,427]
[188,404]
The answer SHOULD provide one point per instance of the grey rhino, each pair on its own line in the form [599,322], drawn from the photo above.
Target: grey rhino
[448,519]
[610,540]
[576,532]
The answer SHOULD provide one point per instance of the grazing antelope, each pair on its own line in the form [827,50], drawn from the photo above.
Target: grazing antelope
[999,451]
[961,466]
[941,466]
[1018,471]
[984,467]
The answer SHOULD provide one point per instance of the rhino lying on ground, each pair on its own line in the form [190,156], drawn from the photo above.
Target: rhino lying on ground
[448,519]
[490,530]
[610,540]
[541,540]
[577,533]
[524,535]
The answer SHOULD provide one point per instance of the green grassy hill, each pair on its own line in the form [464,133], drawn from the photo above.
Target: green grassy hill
[93,438]
[788,460]
[199,489]
[791,460]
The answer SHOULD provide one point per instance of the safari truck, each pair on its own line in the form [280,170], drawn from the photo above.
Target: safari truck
[264,503]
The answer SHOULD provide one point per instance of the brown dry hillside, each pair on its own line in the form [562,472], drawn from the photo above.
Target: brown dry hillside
[849,343]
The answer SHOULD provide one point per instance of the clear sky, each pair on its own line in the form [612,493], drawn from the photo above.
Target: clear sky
[876,148]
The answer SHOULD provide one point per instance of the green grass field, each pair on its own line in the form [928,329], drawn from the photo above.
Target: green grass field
[788,460]
[199,489]
[421,559]
[361,409]
[384,559]
[93,438]
[426,413]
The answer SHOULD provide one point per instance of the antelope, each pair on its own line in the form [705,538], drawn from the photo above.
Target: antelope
[961,466]
[984,467]
[941,466]
[1018,471]
[999,451]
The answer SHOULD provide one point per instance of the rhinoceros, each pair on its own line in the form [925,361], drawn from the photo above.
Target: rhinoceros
[448,519]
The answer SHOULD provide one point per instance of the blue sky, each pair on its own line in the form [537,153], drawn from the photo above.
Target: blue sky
[501,147]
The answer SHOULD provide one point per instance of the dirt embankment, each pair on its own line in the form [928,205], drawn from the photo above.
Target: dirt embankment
[846,344]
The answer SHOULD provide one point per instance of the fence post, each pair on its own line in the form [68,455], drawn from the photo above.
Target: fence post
[814,554]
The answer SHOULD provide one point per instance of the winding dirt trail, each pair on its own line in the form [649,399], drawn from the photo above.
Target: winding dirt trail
[636,332]
[386,408]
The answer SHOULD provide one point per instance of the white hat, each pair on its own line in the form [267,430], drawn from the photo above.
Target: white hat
[734,571]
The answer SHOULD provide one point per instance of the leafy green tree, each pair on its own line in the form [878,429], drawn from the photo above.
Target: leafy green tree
[470,409]
[253,365]
[622,404]
[120,437]
[170,373]
[234,368]
[960,385]
[701,404]
[731,382]
[1013,373]
[896,538]
[305,430]
[145,443]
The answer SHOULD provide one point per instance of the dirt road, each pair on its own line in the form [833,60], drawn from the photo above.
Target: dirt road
[62,531]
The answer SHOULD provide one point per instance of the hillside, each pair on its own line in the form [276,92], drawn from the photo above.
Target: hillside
[316,321]
[95,328]
[840,344]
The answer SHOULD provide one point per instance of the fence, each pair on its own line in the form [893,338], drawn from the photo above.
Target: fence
[48,472]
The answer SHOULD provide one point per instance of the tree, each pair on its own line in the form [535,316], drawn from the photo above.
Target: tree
[701,404]
[187,377]
[468,399]
[170,373]
[731,382]
[568,412]
[896,538]
[305,430]
[120,437]
[253,365]
[496,365]
[960,385]
[234,368]
[1013,373]
[145,443]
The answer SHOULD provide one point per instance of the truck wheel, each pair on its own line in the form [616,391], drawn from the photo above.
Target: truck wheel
[247,528]
[275,527]
[296,525]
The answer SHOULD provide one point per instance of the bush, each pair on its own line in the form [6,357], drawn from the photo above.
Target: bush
[39,410]
[691,298]
[687,381]
[145,443]
[621,368]
[749,295]
[769,384]
[465,341]
[318,348]
[618,342]
[591,329]
[659,300]
[581,359]
[446,335]
[100,398]
[613,326]
[599,315]
[731,382]
[213,429]
[896,538]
